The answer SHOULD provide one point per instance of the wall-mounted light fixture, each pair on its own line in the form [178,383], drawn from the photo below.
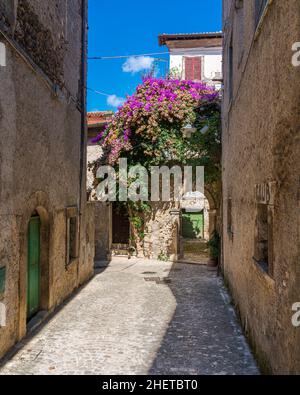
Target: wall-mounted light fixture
[188,130]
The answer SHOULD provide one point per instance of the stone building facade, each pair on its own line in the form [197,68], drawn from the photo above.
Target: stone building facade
[195,56]
[261,167]
[47,230]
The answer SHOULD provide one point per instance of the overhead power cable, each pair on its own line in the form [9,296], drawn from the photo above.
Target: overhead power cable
[126,56]
[98,92]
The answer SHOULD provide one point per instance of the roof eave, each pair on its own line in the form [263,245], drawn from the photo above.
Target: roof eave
[164,38]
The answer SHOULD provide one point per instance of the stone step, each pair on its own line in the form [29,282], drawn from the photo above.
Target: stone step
[120,249]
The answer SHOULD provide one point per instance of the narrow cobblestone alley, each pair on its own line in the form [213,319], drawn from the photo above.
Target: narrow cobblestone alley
[140,317]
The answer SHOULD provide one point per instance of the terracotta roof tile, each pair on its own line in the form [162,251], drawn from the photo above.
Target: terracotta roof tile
[95,118]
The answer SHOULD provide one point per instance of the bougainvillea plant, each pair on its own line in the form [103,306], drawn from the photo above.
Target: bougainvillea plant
[148,130]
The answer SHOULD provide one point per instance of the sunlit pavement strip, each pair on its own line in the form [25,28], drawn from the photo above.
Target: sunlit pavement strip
[141,317]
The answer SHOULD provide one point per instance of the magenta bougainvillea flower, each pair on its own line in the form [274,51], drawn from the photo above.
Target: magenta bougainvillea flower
[156,103]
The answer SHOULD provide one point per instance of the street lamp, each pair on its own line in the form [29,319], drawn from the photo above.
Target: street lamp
[188,130]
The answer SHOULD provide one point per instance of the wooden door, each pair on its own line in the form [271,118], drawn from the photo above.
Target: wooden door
[120,225]
[193,225]
[33,278]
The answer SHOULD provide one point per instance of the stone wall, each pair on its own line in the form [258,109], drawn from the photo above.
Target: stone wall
[163,227]
[41,153]
[26,21]
[261,146]
[86,264]
[8,13]
[45,47]
[162,232]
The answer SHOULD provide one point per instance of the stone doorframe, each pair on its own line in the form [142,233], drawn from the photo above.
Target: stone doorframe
[212,213]
[37,202]
[212,220]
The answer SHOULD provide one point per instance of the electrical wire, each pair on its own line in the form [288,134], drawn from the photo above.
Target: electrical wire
[98,92]
[127,56]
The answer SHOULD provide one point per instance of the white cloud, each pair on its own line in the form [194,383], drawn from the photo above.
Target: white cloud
[134,64]
[115,101]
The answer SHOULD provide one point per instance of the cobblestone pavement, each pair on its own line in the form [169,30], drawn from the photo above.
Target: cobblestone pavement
[140,317]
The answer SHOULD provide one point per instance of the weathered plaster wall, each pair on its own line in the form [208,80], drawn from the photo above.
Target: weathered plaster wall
[9,238]
[261,130]
[40,149]
[103,210]
[103,229]
[87,245]
[94,152]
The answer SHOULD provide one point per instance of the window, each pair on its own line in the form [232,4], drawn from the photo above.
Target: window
[260,6]
[263,240]
[72,235]
[193,68]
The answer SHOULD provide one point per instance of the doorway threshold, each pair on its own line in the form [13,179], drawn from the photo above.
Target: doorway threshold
[36,321]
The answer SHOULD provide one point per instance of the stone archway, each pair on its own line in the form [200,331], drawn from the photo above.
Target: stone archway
[36,203]
[203,202]
[200,209]
[212,212]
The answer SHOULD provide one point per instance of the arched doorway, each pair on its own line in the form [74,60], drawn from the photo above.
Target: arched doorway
[192,224]
[195,226]
[195,208]
[37,286]
[34,266]
[35,221]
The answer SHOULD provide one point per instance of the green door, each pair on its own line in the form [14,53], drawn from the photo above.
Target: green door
[33,280]
[193,225]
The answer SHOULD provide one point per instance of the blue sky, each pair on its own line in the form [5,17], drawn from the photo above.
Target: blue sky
[131,27]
